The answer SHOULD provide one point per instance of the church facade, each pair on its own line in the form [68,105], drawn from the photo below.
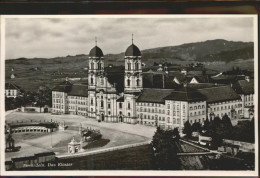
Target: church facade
[117,94]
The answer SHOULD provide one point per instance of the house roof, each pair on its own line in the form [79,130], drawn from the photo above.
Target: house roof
[244,87]
[201,78]
[11,86]
[64,86]
[152,95]
[185,94]
[219,94]
[79,90]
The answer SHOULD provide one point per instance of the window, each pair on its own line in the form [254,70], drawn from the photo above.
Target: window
[129,66]
[102,81]
[92,65]
[168,120]
[199,107]
[91,80]
[137,82]
[195,113]
[190,108]
[120,105]
[108,106]
[129,114]
[195,107]
[91,101]
[102,104]
[136,66]
[128,105]
[168,106]
[128,82]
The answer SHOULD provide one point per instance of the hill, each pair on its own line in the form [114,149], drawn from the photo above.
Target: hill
[42,71]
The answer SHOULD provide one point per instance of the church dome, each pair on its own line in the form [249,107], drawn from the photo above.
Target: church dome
[132,50]
[96,52]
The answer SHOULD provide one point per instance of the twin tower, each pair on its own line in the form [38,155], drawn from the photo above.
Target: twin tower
[133,81]
[103,97]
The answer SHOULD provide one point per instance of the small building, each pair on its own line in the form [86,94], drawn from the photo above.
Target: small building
[45,157]
[229,148]
[74,146]
[12,90]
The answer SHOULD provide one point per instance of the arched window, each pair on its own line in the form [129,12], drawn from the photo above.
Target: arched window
[191,114]
[198,107]
[191,108]
[195,113]
[195,107]
[136,66]
[129,114]
[137,82]
[129,66]
[203,106]
[102,103]
[91,80]
[128,105]
[92,65]
[99,66]
[128,82]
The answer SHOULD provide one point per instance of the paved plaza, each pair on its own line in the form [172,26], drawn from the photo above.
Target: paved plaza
[118,133]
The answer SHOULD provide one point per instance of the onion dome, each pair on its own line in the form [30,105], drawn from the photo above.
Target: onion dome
[96,52]
[132,50]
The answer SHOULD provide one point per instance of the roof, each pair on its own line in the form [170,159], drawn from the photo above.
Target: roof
[117,79]
[150,95]
[121,99]
[44,154]
[186,94]
[64,86]
[11,86]
[96,52]
[244,86]
[219,94]
[132,50]
[201,79]
[79,90]
[203,85]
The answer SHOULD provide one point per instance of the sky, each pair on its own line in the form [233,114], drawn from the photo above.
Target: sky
[54,37]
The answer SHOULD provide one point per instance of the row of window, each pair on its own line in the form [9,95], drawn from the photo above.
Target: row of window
[136,66]
[197,107]
[197,113]
[249,98]
[149,104]
[153,110]
[226,107]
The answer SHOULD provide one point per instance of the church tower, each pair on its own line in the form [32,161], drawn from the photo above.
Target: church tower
[96,68]
[133,82]
[133,69]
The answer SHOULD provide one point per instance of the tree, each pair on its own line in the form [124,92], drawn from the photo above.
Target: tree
[165,150]
[187,129]
[206,124]
[226,122]
[176,133]
[196,127]
[43,97]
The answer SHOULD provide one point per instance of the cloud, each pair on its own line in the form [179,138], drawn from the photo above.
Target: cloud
[51,37]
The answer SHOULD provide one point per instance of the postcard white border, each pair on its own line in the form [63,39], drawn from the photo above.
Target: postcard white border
[120,172]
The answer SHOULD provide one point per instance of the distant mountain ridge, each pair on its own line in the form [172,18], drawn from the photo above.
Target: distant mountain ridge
[206,51]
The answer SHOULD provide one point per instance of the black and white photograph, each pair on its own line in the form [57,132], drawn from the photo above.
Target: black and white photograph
[150,94]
